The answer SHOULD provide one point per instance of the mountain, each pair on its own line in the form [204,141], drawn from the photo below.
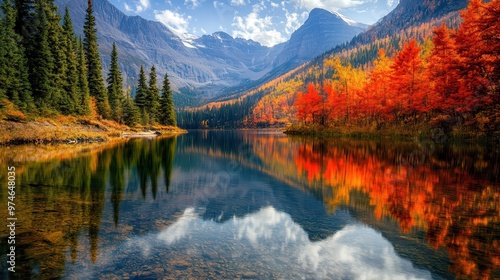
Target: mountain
[190,64]
[204,68]
[409,13]
[271,101]
[321,32]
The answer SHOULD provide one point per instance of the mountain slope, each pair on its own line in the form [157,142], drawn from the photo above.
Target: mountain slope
[409,13]
[321,32]
[202,67]
[273,99]
[209,67]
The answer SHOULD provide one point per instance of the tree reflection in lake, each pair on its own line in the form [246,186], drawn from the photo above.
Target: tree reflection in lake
[451,193]
[63,198]
[258,204]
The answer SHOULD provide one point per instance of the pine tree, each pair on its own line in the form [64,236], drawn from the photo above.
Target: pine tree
[167,110]
[141,94]
[57,47]
[13,69]
[41,62]
[153,99]
[25,20]
[93,60]
[115,87]
[131,115]
[69,100]
[141,97]
[83,98]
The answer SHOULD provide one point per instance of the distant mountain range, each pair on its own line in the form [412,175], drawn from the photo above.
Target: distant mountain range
[202,68]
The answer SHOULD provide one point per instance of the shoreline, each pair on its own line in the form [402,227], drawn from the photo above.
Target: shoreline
[75,131]
[410,134]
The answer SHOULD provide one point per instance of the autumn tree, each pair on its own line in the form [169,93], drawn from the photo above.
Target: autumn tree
[476,68]
[489,25]
[309,105]
[348,83]
[407,81]
[378,88]
[441,74]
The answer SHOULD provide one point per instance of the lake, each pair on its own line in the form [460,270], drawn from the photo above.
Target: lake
[254,204]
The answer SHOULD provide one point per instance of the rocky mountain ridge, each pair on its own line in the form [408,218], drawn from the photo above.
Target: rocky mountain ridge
[201,69]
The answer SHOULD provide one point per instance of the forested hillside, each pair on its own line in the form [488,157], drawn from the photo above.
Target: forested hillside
[47,71]
[425,79]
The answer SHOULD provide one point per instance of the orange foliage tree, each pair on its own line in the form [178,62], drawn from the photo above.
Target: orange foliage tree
[309,105]
[455,76]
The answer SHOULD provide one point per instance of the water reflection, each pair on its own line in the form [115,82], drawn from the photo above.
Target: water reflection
[62,198]
[294,256]
[252,204]
[450,193]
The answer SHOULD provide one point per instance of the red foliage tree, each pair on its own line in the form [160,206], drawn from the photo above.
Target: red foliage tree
[310,106]
[407,80]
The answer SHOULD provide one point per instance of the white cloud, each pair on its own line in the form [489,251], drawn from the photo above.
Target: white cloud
[238,3]
[193,4]
[258,7]
[176,22]
[274,5]
[137,6]
[218,4]
[332,5]
[391,2]
[259,29]
[292,22]
[127,8]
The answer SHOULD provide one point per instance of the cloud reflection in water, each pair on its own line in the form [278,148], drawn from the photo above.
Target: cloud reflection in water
[355,252]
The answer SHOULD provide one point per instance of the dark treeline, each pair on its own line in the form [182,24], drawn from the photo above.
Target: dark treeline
[46,70]
[230,115]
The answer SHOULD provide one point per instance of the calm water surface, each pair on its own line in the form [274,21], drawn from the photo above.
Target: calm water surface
[255,204]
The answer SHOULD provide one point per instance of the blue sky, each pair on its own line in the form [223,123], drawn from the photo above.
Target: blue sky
[268,22]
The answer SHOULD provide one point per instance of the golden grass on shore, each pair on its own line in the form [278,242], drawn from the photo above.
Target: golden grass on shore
[70,130]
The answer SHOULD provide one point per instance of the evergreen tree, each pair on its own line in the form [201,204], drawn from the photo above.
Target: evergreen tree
[25,20]
[13,69]
[93,60]
[41,62]
[141,97]
[70,97]
[83,98]
[153,98]
[131,116]
[115,87]
[141,93]
[57,49]
[167,110]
